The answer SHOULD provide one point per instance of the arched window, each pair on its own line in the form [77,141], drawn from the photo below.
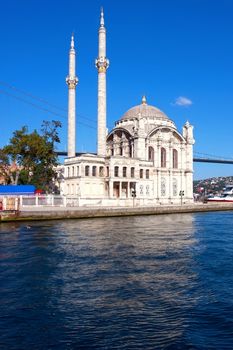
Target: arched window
[131,151]
[151,154]
[101,171]
[121,149]
[174,158]
[87,168]
[94,170]
[132,172]
[116,171]
[124,172]
[163,158]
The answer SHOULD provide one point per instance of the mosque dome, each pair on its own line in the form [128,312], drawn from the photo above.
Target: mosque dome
[144,111]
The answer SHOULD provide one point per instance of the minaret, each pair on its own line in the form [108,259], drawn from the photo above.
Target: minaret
[102,63]
[71,81]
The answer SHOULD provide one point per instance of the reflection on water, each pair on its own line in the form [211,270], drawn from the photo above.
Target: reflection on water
[151,282]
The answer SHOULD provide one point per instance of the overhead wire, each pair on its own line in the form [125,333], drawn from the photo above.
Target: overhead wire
[41,107]
[41,100]
[30,95]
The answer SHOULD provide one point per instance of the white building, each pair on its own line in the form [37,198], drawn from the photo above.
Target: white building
[143,160]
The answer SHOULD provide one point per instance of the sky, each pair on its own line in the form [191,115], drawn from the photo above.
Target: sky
[179,53]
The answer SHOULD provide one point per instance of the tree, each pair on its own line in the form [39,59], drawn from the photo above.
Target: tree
[4,167]
[34,155]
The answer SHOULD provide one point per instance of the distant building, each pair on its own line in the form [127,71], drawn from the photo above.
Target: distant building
[144,158]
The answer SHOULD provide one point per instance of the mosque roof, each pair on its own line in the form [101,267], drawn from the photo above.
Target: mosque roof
[144,110]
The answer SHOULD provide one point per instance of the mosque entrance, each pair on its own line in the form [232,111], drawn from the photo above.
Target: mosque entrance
[116,189]
[124,190]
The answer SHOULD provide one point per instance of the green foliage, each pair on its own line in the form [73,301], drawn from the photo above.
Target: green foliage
[34,155]
[4,165]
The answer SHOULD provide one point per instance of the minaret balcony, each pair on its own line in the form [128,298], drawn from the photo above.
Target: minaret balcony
[102,64]
[71,82]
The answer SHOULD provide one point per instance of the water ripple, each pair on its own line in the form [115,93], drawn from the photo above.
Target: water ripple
[157,282]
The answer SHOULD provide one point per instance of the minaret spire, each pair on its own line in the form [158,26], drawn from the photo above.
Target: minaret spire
[102,17]
[71,81]
[102,64]
[72,41]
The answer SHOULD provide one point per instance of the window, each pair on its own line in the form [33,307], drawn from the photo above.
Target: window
[87,170]
[174,158]
[131,151]
[77,170]
[72,170]
[94,170]
[124,171]
[68,172]
[174,187]
[163,187]
[132,172]
[151,154]
[163,158]
[141,173]
[107,169]
[141,189]
[121,150]
[101,171]
[147,173]
[116,171]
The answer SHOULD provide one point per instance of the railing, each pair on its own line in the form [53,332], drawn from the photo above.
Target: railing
[48,201]
[15,203]
[37,201]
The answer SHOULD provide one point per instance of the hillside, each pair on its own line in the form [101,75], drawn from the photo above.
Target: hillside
[213,185]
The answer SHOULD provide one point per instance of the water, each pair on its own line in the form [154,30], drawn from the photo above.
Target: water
[150,282]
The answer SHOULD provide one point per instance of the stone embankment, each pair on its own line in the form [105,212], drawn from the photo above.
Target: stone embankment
[58,213]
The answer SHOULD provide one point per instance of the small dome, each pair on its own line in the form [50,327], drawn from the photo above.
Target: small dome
[144,110]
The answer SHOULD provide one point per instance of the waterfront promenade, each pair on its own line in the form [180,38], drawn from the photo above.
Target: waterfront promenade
[55,213]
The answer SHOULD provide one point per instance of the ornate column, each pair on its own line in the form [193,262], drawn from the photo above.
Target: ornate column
[102,64]
[71,81]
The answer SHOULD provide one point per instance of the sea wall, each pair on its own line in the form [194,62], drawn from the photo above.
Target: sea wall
[56,213]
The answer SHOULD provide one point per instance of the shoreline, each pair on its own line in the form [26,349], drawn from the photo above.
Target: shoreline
[61,213]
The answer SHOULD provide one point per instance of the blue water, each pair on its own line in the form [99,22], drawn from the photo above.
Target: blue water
[149,282]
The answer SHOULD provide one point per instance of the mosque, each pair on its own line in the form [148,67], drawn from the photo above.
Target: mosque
[144,160]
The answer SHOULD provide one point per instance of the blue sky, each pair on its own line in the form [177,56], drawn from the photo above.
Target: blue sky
[177,52]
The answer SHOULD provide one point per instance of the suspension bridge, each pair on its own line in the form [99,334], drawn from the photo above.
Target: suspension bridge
[198,158]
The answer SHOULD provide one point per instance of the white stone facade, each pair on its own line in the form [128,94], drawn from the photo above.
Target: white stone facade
[147,159]
[144,160]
